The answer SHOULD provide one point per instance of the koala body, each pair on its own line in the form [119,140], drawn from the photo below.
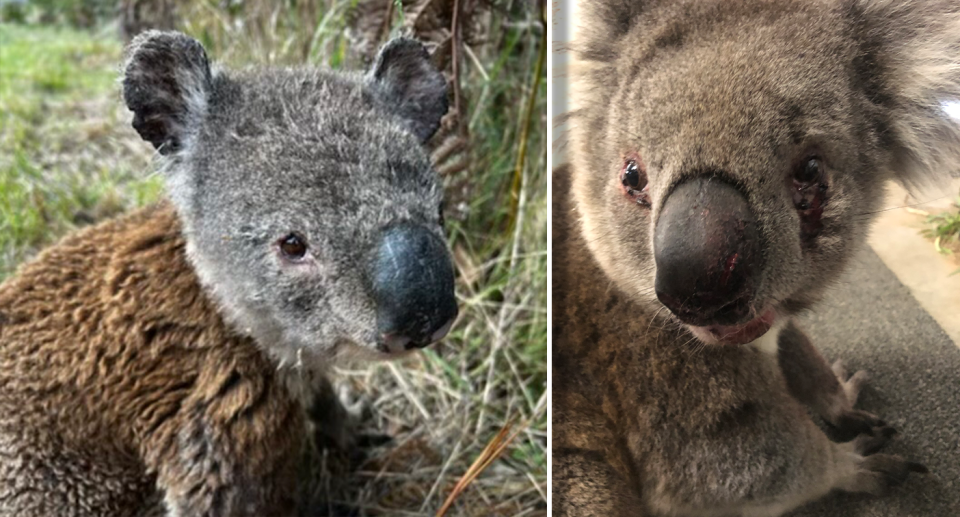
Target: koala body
[162,363]
[725,159]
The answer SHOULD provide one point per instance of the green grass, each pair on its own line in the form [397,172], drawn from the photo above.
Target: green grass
[68,157]
[64,159]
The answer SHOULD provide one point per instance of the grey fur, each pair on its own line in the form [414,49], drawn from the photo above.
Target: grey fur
[737,92]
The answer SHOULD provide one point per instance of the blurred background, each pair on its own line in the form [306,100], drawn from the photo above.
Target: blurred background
[470,410]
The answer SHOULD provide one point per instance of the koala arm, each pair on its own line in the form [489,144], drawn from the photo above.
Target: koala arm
[782,459]
[827,391]
[231,450]
[585,485]
[589,472]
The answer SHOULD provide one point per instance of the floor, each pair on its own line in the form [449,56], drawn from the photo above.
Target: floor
[874,322]
[911,257]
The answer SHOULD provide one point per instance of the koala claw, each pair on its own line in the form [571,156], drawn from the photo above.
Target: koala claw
[366,441]
[853,422]
[357,407]
[869,443]
[369,440]
[879,472]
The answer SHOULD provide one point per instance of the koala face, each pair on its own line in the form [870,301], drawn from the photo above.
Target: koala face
[727,156]
[310,208]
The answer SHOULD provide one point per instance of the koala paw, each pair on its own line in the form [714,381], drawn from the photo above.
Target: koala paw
[869,443]
[877,473]
[852,384]
[848,421]
[337,414]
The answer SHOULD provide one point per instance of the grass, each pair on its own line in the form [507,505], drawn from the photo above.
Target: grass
[68,157]
[65,157]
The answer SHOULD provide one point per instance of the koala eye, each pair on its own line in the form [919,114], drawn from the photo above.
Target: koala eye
[293,247]
[633,179]
[441,214]
[631,175]
[809,194]
[810,170]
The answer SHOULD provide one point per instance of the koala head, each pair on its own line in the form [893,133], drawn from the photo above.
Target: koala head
[310,209]
[727,155]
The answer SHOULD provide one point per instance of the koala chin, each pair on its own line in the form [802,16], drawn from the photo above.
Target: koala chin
[161,363]
[723,158]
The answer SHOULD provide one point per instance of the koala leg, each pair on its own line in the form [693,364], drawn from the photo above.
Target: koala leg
[830,392]
[585,485]
[873,473]
[338,446]
[851,467]
[772,462]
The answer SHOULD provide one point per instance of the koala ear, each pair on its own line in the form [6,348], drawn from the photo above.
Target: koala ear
[908,65]
[406,82]
[604,23]
[166,83]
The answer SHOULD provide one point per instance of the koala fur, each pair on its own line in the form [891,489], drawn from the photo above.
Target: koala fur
[161,363]
[765,129]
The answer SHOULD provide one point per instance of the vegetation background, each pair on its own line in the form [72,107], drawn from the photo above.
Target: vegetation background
[68,158]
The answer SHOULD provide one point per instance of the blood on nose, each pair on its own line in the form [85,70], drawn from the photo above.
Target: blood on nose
[707,251]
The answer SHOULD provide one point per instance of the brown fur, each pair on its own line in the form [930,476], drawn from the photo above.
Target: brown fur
[118,377]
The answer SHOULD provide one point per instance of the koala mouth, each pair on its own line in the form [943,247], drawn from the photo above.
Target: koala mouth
[736,334]
[396,343]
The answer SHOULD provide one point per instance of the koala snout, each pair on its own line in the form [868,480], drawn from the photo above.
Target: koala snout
[707,252]
[413,288]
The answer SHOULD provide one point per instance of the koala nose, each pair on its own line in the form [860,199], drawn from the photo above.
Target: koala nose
[707,251]
[412,287]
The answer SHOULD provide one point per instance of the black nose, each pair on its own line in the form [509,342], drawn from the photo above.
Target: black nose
[707,251]
[413,288]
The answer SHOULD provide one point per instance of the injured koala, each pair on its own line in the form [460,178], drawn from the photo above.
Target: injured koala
[724,158]
[161,363]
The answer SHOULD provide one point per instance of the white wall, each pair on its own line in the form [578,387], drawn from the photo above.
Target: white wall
[564,15]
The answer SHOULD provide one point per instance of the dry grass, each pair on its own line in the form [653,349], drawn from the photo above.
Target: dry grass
[70,147]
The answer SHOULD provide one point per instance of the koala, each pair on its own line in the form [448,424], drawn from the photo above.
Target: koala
[164,363]
[724,158]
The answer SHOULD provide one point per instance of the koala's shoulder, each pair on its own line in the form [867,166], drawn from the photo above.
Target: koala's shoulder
[586,341]
[116,312]
[587,303]
[134,263]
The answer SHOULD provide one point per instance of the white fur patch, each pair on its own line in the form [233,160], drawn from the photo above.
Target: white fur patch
[767,343]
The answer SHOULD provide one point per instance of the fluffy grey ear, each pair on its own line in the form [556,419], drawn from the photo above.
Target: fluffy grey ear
[406,82]
[909,68]
[166,83]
